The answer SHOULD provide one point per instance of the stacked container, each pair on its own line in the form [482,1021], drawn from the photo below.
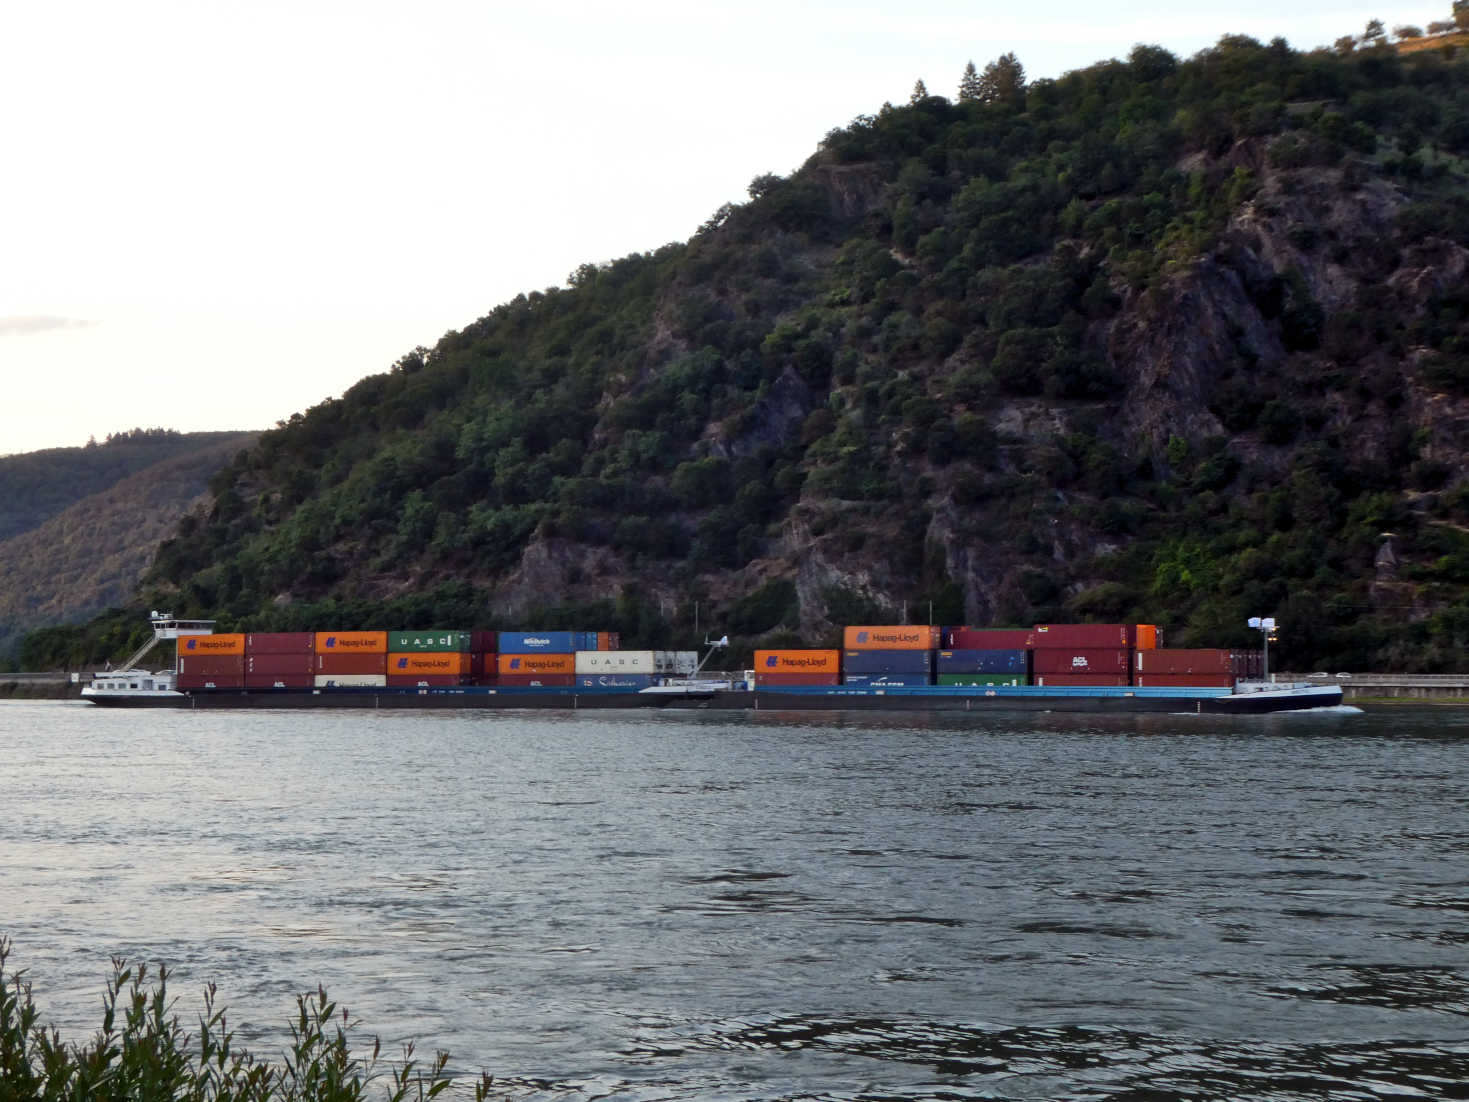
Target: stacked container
[351,659]
[776,669]
[983,667]
[1197,668]
[280,660]
[1088,654]
[212,661]
[889,655]
[429,658]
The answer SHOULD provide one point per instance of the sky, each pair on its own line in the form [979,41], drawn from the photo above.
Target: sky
[215,215]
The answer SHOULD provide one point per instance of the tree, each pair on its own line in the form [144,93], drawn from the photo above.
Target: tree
[920,93]
[969,87]
[1345,44]
[1406,31]
[1003,80]
[1461,14]
[1374,35]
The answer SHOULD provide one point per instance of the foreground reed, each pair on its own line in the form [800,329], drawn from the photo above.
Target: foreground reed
[142,1054]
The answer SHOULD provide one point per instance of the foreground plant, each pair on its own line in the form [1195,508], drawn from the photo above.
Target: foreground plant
[142,1054]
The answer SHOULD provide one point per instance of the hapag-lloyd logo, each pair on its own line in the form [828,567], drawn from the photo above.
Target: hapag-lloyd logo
[402,663]
[776,660]
[331,641]
[192,644]
[914,636]
[515,663]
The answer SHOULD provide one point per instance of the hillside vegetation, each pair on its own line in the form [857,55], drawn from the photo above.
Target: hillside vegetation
[1169,340]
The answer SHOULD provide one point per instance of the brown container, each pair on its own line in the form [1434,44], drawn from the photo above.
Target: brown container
[211,665]
[534,681]
[479,662]
[1081,680]
[303,665]
[408,681]
[351,642]
[1183,661]
[779,680]
[352,663]
[609,640]
[989,639]
[892,637]
[769,662]
[1096,636]
[280,642]
[279,681]
[233,643]
[536,665]
[210,681]
[1077,660]
[442,663]
[481,640]
[1185,680]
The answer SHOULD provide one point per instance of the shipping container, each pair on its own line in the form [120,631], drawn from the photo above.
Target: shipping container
[1184,680]
[678,662]
[429,642]
[622,661]
[983,661]
[609,640]
[232,643]
[279,680]
[826,662]
[280,642]
[1183,661]
[628,682]
[780,680]
[1093,635]
[885,680]
[350,680]
[1247,665]
[1080,679]
[302,665]
[352,663]
[481,640]
[479,662]
[887,661]
[538,642]
[211,665]
[520,665]
[210,681]
[351,642]
[1149,637]
[984,680]
[891,637]
[425,680]
[1074,660]
[988,639]
[538,680]
[454,663]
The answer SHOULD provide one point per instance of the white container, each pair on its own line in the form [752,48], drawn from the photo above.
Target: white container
[349,680]
[617,661]
[681,663]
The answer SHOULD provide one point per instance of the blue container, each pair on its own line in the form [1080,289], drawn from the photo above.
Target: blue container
[887,661]
[983,661]
[538,642]
[614,682]
[585,640]
[885,680]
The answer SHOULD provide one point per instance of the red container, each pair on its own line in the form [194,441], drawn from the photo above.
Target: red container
[210,681]
[538,680]
[1248,665]
[408,680]
[352,663]
[482,641]
[479,662]
[609,640]
[779,680]
[279,681]
[1085,636]
[1186,680]
[1183,661]
[211,665]
[989,639]
[1052,660]
[280,642]
[1081,679]
[294,665]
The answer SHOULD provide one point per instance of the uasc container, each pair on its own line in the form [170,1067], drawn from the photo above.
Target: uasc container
[351,642]
[892,637]
[521,665]
[430,642]
[229,643]
[619,661]
[804,662]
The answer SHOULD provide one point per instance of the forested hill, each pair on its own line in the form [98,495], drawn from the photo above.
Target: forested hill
[1169,340]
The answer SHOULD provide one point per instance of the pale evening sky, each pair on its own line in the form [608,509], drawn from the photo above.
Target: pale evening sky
[215,215]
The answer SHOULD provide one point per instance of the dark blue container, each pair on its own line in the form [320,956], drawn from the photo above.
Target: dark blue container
[887,661]
[614,682]
[983,661]
[885,680]
[585,640]
[539,642]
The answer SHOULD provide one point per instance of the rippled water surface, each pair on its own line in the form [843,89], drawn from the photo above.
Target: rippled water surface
[680,906]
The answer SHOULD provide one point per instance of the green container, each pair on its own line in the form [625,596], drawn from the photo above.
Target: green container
[982,679]
[428,642]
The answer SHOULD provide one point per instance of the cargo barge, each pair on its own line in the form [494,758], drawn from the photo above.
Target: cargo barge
[879,677]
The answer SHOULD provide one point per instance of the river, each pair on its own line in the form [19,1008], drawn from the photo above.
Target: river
[686,906]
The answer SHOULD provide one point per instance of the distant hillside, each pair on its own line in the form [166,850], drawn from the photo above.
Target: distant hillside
[90,555]
[1171,340]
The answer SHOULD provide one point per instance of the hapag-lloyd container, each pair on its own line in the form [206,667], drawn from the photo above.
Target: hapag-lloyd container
[1076,660]
[437,641]
[988,638]
[798,662]
[1183,661]
[351,642]
[541,665]
[1095,636]
[227,643]
[983,661]
[445,663]
[280,642]
[541,642]
[892,637]
[352,663]
[349,680]
[887,661]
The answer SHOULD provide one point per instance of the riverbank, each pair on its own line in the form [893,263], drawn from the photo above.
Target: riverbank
[17,686]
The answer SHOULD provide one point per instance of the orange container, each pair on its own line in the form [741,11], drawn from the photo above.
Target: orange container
[1147,637]
[429,662]
[351,642]
[893,637]
[212,644]
[798,661]
[513,665]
